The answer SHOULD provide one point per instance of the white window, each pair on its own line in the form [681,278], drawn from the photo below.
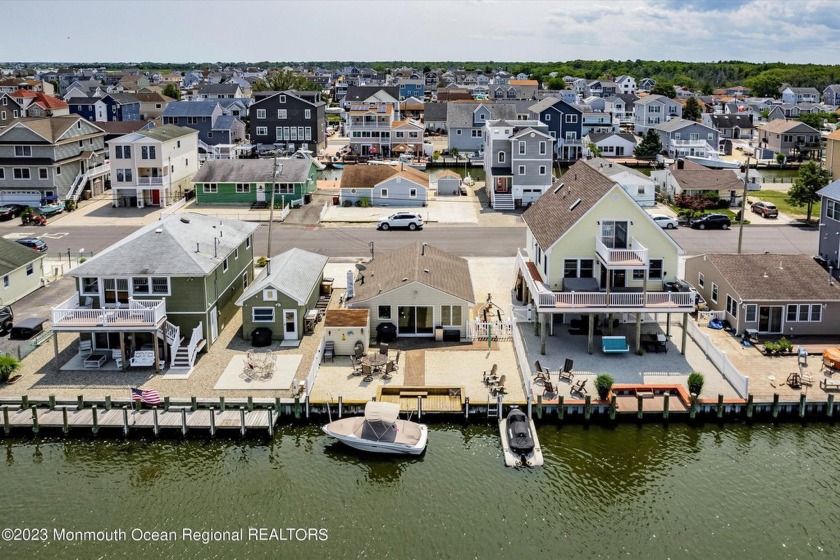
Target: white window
[42,172]
[23,151]
[3,173]
[521,170]
[522,147]
[731,306]
[542,170]
[263,314]
[90,286]
[6,281]
[458,132]
[412,193]
[225,265]
[242,188]
[29,269]
[281,114]
[804,313]
[307,133]
[57,172]
[3,113]
[260,114]
[501,157]
[248,243]
[383,193]
[385,312]
[750,313]
[262,131]
[281,98]
[236,253]
[269,294]
[714,292]
[832,209]
[476,133]
[542,148]
[307,114]
[21,173]
[160,285]
[571,118]
[210,188]
[547,118]
[701,280]
[450,315]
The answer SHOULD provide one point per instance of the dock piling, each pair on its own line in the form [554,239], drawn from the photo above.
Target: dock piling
[666,398]
[250,404]
[24,402]
[720,407]
[640,413]
[587,407]
[612,407]
[775,409]
[306,404]
[242,420]
[801,405]
[80,402]
[212,421]
[183,421]
[65,420]
[166,404]
[270,422]
[52,402]
[419,407]
[125,420]
[107,402]
[95,417]
[221,404]
[829,411]
[692,407]
[561,411]
[35,427]
[750,406]
[155,424]
[341,405]
[539,407]
[466,408]
[6,426]
[194,404]
[297,407]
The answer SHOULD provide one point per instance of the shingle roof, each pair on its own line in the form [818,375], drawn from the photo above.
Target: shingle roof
[190,108]
[219,88]
[123,98]
[168,132]
[460,115]
[555,211]
[832,190]
[13,255]
[543,104]
[801,90]
[694,177]
[676,124]
[433,267]
[152,97]
[168,247]
[770,277]
[780,126]
[361,93]
[252,171]
[731,121]
[598,136]
[82,100]
[435,112]
[346,317]
[609,168]
[224,122]
[50,128]
[294,273]
[367,176]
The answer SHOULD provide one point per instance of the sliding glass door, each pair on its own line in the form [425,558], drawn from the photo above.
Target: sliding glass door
[415,320]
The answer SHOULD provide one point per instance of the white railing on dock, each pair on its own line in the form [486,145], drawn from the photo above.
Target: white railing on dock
[522,360]
[718,357]
[68,315]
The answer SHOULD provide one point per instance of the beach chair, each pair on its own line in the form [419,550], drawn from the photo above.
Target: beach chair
[498,388]
[367,371]
[549,388]
[389,368]
[490,376]
[329,350]
[117,356]
[542,374]
[579,387]
[566,372]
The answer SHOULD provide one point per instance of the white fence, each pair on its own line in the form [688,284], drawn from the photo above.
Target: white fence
[324,211]
[285,212]
[169,210]
[740,382]
[522,360]
[703,317]
[316,363]
[494,330]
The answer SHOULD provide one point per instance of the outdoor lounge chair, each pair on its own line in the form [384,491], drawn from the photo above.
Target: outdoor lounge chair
[566,372]
[542,373]
[579,387]
[117,356]
[549,388]
[329,350]
[85,348]
[490,376]
[498,388]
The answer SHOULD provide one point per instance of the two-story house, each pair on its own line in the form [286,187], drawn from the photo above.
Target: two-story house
[647,84]
[289,120]
[737,125]
[652,110]
[517,162]
[51,156]
[682,138]
[220,91]
[208,119]
[152,104]
[829,244]
[39,104]
[412,87]
[621,107]
[831,95]
[153,167]
[565,125]
[832,153]
[592,251]
[170,286]
[465,122]
[110,107]
[249,181]
[791,138]
[793,95]
[626,84]
[11,108]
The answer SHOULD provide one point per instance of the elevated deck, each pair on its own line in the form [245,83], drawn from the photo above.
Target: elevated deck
[138,315]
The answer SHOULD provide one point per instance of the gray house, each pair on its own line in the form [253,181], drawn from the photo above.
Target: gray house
[829,246]
[791,138]
[384,185]
[465,123]
[281,295]
[686,138]
[448,183]
[208,118]
[517,162]
[652,110]
[736,125]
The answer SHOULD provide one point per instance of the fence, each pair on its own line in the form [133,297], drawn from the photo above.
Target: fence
[168,211]
[703,317]
[494,330]
[284,212]
[521,359]
[31,345]
[719,358]
[324,211]
[316,363]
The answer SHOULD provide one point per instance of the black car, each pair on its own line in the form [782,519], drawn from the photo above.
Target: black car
[711,221]
[9,211]
[33,243]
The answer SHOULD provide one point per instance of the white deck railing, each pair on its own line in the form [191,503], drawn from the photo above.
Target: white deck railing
[192,348]
[68,315]
[634,252]
[316,363]
[150,181]
[616,299]
[494,330]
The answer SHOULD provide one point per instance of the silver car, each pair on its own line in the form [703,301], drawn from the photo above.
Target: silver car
[410,220]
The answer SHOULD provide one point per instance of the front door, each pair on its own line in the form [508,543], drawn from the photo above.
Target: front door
[214,325]
[290,324]
[155,197]
[260,193]
[770,318]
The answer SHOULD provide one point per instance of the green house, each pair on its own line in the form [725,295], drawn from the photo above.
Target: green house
[282,294]
[249,181]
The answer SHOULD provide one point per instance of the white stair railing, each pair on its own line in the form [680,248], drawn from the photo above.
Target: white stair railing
[192,348]
[76,188]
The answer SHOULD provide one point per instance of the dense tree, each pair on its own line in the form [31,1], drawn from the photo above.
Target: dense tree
[171,90]
[283,80]
[650,146]
[765,84]
[664,88]
[692,111]
[812,178]
[556,83]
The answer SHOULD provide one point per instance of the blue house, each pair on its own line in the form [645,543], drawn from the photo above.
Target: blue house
[113,107]
[208,118]
[565,124]
[412,88]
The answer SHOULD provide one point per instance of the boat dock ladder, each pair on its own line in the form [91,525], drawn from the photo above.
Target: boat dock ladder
[494,405]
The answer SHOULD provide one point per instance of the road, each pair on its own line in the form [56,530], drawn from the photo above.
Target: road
[467,241]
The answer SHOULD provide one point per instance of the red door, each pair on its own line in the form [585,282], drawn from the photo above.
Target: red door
[156,198]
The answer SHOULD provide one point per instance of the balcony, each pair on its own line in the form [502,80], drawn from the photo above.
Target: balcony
[635,255]
[618,301]
[99,170]
[150,181]
[354,125]
[137,315]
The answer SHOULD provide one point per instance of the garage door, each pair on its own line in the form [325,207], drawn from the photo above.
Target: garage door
[29,198]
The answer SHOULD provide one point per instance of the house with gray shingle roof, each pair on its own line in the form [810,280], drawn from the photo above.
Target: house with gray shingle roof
[829,245]
[831,95]
[417,288]
[793,95]
[282,294]
[591,250]
[734,125]
[465,122]
[249,181]
[208,118]
[171,286]
[21,269]
[682,138]
[651,110]
[220,91]
[791,138]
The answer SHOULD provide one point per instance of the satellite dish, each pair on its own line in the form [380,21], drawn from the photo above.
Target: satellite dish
[360,267]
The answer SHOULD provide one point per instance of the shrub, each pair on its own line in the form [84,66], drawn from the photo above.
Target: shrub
[365,202]
[8,365]
[603,384]
[262,261]
[347,204]
[770,347]
[784,345]
[695,382]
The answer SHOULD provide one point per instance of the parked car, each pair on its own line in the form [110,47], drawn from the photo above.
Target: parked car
[411,220]
[33,243]
[10,211]
[711,221]
[766,209]
[7,318]
[665,222]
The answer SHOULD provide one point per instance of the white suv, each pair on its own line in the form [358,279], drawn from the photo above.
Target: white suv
[410,220]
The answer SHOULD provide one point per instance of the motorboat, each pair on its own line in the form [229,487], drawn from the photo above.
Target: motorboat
[519,440]
[380,431]
[468,180]
[51,205]
[307,154]
[714,162]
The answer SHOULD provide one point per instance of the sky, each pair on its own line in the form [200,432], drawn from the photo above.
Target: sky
[798,31]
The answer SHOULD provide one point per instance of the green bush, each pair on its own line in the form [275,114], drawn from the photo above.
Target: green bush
[784,345]
[365,202]
[770,347]
[8,365]
[262,261]
[347,204]
[695,382]
[603,384]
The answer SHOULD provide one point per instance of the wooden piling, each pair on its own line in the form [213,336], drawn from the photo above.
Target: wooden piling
[750,406]
[24,402]
[419,407]
[666,398]
[183,421]
[587,407]
[692,407]
[221,404]
[774,411]
[125,420]
[801,405]
[539,407]
[270,422]
[306,404]
[212,421]
[720,407]
[561,411]
[250,404]
[166,404]
[155,424]
[829,411]
[530,408]
[194,404]
[612,407]
[80,402]
[640,412]
[52,402]
[466,408]
[94,412]
[242,420]
[341,405]
[278,407]
[35,427]
[107,402]
[6,426]
[65,420]
[297,407]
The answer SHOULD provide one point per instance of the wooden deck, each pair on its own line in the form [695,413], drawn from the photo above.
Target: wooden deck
[434,399]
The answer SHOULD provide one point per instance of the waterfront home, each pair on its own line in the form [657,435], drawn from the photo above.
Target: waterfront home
[831,95]
[737,125]
[689,178]
[220,91]
[175,280]
[416,288]
[407,137]
[790,138]
[832,153]
[289,120]
[565,125]
[153,167]
[465,123]
[829,219]
[11,108]
[51,156]
[626,84]
[21,269]
[610,144]
[639,186]
[621,107]
[786,295]
[434,116]
[647,84]
[681,138]
[249,181]
[280,297]
[517,162]
[208,119]
[652,110]
[384,185]
[38,104]
[592,250]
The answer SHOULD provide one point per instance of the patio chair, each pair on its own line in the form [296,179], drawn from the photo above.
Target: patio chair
[359,350]
[579,387]
[383,349]
[85,348]
[542,374]
[498,388]
[368,373]
[117,356]
[389,368]
[397,361]
[549,388]
[329,350]
[490,376]
[357,365]
[566,372]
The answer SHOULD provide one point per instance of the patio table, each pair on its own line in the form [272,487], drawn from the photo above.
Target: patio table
[95,360]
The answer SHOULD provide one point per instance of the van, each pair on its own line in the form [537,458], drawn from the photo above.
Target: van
[27,328]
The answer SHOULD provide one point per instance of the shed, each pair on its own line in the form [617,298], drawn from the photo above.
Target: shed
[448,183]
[346,327]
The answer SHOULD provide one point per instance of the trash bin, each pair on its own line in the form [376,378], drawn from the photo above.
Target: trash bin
[307,198]
[335,200]
[261,337]
[438,334]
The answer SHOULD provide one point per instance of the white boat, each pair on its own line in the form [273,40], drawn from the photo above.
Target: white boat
[713,162]
[384,162]
[380,431]
[307,154]
[468,180]
[519,440]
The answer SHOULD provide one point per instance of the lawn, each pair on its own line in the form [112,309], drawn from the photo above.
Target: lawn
[726,211]
[779,198]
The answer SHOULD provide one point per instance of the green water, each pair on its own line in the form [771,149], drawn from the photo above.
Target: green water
[656,492]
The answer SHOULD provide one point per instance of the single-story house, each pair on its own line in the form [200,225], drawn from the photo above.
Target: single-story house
[280,296]
[246,181]
[687,177]
[773,294]
[639,186]
[22,270]
[610,144]
[448,183]
[384,185]
[417,288]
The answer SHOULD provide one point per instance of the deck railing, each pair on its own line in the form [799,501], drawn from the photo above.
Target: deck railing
[616,299]
[68,315]
[634,252]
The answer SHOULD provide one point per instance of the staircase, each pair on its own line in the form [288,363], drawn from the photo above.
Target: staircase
[493,406]
[76,188]
[183,355]
[503,201]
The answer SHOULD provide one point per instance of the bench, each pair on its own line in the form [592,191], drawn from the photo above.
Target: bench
[614,344]
[830,384]
[423,394]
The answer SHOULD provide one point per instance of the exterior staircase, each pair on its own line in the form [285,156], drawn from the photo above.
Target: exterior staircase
[503,201]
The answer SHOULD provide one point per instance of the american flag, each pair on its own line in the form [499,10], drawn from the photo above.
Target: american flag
[148,396]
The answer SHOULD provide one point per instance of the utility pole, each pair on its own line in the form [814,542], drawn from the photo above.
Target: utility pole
[276,170]
[743,206]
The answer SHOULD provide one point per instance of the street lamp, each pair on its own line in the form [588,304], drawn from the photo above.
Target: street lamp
[743,205]
[277,170]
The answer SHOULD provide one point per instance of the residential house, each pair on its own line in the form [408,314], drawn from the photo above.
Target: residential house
[279,298]
[214,128]
[465,123]
[289,121]
[832,153]
[525,88]
[793,95]
[770,293]
[647,84]
[220,91]
[51,156]
[597,122]
[372,95]
[517,162]
[682,138]
[592,250]
[21,269]
[411,87]
[115,129]
[237,107]
[621,107]
[831,95]
[689,178]
[448,183]
[8,85]
[412,108]
[370,117]
[418,288]
[170,286]
[626,85]
[639,186]
[601,88]
[610,144]
[734,126]
[565,125]
[453,94]
[407,137]
[791,138]
[829,244]
[39,104]
[110,107]
[249,181]
[11,108]
[652,110]
[152,104]
[384,185]
[153,167]
[775,113]
[434,116]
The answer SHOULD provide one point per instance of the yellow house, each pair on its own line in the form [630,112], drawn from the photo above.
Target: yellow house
[591,250]
[832,154]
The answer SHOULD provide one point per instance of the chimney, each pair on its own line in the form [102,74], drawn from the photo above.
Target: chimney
[680,164]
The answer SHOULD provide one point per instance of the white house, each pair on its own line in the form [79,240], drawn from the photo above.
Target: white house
[639,186]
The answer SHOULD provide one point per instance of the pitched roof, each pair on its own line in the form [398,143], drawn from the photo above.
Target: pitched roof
[598,136]
[543,104]
[414,263]
[50,128]
[346,317]
[368,176]
[460,115]
[219,88]
[13,255]
[731,121]
[294,273]
[652,98]
[448,173]
[293,170]
[694,176]
[122,127]
[801,90]
[361,93]
[123,98]
[831,190]
[224,122]
[772,277]
[191,108]
[555,211]
[780,126]
[168,247]
[435,111]
[523,82]
[610,169]
[152,97]
[677,124]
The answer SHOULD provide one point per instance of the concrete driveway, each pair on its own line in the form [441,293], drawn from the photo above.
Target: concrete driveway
[448,210]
